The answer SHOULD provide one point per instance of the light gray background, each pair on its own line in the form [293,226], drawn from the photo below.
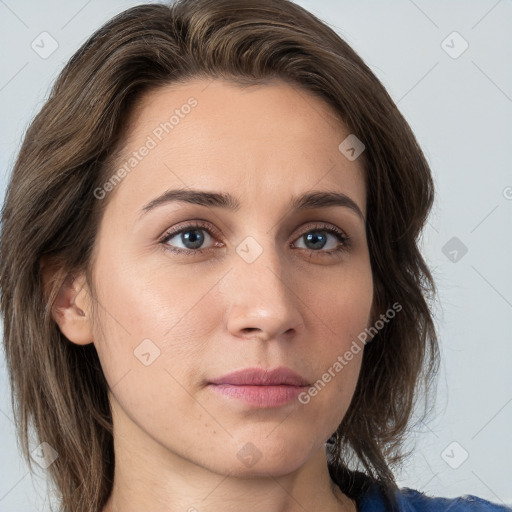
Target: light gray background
[460,109]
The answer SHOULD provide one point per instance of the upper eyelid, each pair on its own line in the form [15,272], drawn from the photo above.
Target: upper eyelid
[204,225]
[191,225]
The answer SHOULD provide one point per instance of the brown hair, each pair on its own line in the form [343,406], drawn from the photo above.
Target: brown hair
[69,150]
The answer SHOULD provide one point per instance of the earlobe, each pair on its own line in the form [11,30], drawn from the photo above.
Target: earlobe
[71,308]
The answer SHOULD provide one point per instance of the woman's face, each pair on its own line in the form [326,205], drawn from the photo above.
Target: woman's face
[268,289]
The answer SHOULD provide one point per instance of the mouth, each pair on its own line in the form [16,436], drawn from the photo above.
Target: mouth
[261,388]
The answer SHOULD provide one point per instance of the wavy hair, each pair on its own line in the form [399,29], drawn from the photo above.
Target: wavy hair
[69,150]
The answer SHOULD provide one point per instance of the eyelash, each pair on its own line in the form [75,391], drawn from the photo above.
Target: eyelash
[342,238]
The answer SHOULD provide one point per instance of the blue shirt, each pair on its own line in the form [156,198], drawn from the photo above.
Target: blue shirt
[370,496]
[410,500]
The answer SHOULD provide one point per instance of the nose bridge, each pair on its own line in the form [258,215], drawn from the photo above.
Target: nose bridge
[262,297]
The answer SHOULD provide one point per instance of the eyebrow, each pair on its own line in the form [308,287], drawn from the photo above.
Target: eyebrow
[309,200]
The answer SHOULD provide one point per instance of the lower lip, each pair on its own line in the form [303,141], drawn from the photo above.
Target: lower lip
[260,396]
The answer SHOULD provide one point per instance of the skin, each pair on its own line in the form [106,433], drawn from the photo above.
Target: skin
[176,440]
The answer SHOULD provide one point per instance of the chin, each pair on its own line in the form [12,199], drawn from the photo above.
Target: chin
[265,468]
[264,457]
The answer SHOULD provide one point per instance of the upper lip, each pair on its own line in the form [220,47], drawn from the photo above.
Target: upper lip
[260,377]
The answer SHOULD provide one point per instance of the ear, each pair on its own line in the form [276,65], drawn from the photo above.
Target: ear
[71,308]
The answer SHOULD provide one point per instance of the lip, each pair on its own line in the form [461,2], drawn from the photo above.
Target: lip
[260,377]
[261,388]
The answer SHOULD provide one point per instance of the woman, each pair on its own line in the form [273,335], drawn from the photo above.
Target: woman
[269,362]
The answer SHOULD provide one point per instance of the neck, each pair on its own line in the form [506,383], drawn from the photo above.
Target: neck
[150,477]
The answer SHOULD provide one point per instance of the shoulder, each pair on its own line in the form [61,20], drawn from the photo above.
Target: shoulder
[371,496]
[412,500]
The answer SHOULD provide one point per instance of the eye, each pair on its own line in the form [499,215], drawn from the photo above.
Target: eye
[191,236]
[316,239]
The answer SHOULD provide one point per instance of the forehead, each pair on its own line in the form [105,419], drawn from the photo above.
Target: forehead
[268,141]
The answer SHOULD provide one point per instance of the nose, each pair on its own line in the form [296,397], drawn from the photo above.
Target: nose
[262,303]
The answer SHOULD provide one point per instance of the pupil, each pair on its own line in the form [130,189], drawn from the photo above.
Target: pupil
[195,239]
[315,238]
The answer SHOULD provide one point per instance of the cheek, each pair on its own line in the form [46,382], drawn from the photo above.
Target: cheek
[151,336]
[152,316]
[342,310]
[344,303]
